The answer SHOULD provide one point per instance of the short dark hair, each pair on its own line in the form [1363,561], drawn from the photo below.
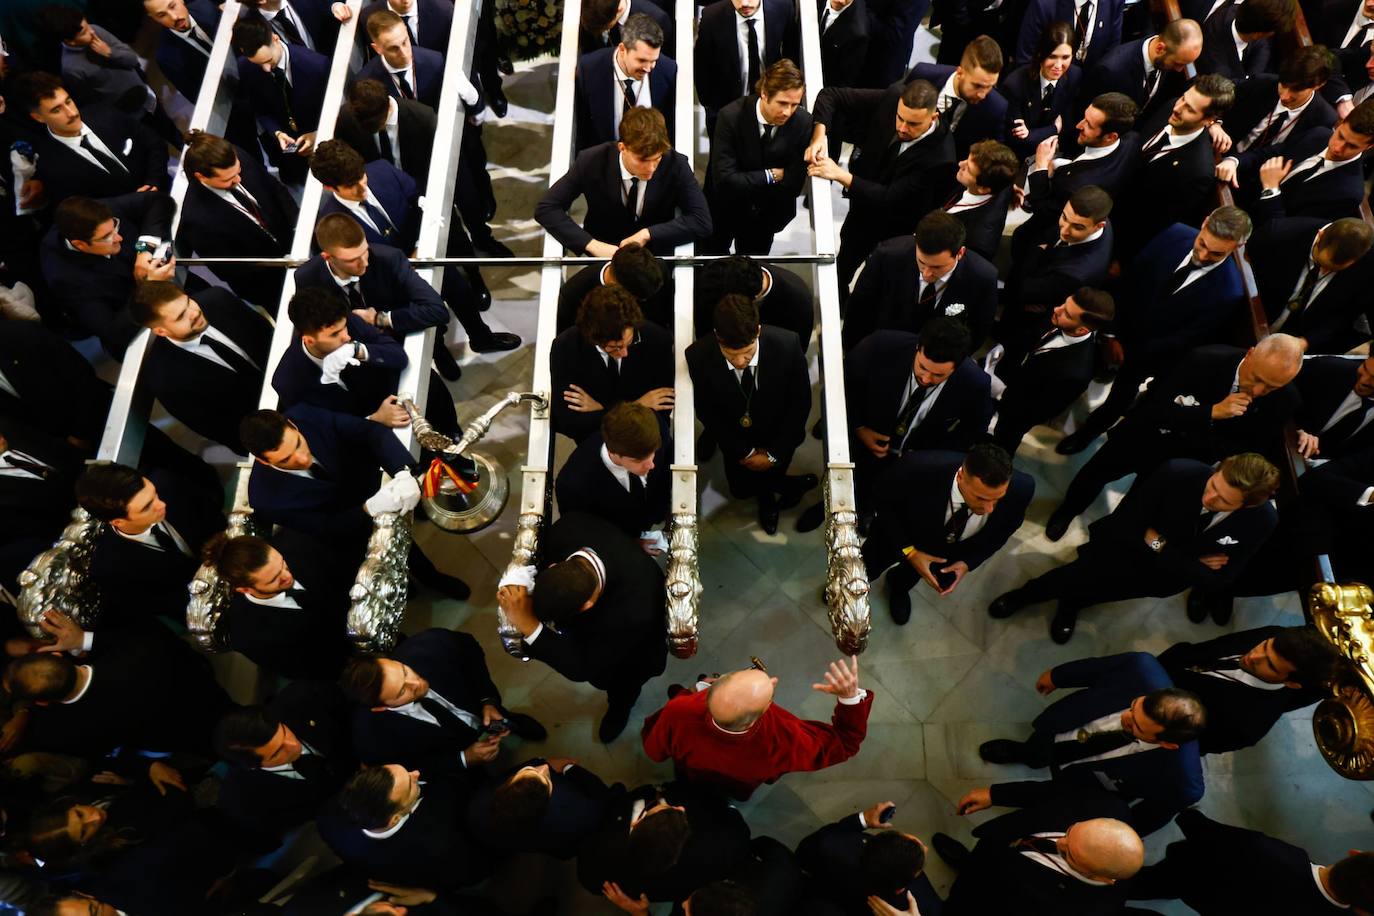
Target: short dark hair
[636,269]
[1306,68]
[889,859]
[726,897]
[1347,239]
[206,154]
[1264,16]
[314,308]
[631,429]
[236,559]
[369,102]
[780,76]
[945,340]
[563,587]
[984,53]
[104,490]
[1315,661]
[336,164]
[148,299]
[1220,93]
[366,798]
[61,22]
[1055,34]
[997,164]
[30,89]
[657,841]
[42,676]
[989,463]
[1252,474]
[737,273]
[1119,110]
[1352,880]
[598,15]
[1099,308]
[920,95]
[241,731]
[939,231]
[606,312]
[339,230]
[1091,202]
[1361,119]
[644,132]
[361,680]
[251,35]
[736,320]
[639,27]
[262,431]
[77,218]
[518,805]
[1178,711]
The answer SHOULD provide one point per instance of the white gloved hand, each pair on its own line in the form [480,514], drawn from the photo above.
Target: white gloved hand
[518,575]
[399,494]
[336,362]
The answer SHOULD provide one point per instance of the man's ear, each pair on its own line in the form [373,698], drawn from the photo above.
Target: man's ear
[1168,745]
[379,709]
[773,681]
[158,331]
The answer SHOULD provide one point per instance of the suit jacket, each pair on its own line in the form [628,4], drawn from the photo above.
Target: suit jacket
[780,403]
[1166,189]
[431,848]
[1048,193]
[985,121]
[95,290]
[436,21]
[833,855]
[116,80]
[599,97]
[1001,879]
[35,509]
[585,484]
[1049,275]
[588,41]
[309,74]
[717,843]
[740,192]
[887,294]
[1331,195]
[59,392]
[1025,102]
[1324,383]
[1041,383]
[297,379]
[389,285]
[985,223]
[183,63]
[214,228]
[1040,14]
[658,308]
[1278,253]
[892,26]
[877,373]
[1255,100]
[579,802]
[1159,781]
[719,70]
[844,43]
[264,805]
[916,496]
[416,124]
[674,210]
[66,173]
[1238,715]
[573,361]
[320,25]
[399,197]
[1122,69]
[621,638]
[203,394]
[889,194]
[428,71]
[1219,53]
[354,452]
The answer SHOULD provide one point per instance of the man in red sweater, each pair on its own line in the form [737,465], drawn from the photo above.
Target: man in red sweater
[732,736]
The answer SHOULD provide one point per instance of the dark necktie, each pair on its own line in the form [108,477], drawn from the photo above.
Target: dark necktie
[1151,84]
[636,488]
[384,144]
[1204,519]
[1176,281]
[286,28]
[1080,31]
[227,353]
[1302,298]
[165,540]
[24,464]
[1045,338]
[613,371]
[1044,845]
[447,720]
[318,472]
[246,201]
[297,595]
[1301,176]
[746,383]
[1270,132]
[629,94]
[825,19]
[951,111]
[958,520]
[767,136]
[196,40]
[1155,145]
[404,85]
[354,292]
[1357,38]
[1346,426]
[907,414]
[284,87]
[753,56]
[311,767]
[410,29]
[632,199]
[1223,664]
[1090,745]
[953,199]
[107,162]
[613,36]
[380,219]
[1047,102]
[928,297]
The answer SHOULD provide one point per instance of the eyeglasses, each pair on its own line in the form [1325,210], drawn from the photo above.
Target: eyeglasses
[109,236]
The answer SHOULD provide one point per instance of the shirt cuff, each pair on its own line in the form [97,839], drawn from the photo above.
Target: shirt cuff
[535,635]
[1231,159]
[463,759]
[566,768]
[150,240]
[863,824]
[88,638]
[863,694]
[768,175]
[1270,192]
[1366,498]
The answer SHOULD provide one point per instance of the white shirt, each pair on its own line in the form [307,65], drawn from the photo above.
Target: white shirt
[90,676]
[147,539]
[1322,282]
[1241,676]
[7,386]
[625,177]
[1323,164]
[1062,340]
[288,770]
[1283,132]
[1352,403]
[199,33]
[828,16]
[949,97]
[1198,271]
[8,470]
[905,145]
[621,475]
[1058,862]
[361,215]
[228,197]
[391,831]
[1174,141]
[753,364]
[940,284]
[290,16]
[1241,43]
[1317,877]
[1094,236]
[639,92]
[606,357]
[407,71]
[1092,26]
[195,345]
[742,39]
[414,710]
[921,412]
[1089,153]
[1358,25]
[1108,723]
[281,599]
[74,144]
[968,200]
[285,63]
[393,128]
[975,522]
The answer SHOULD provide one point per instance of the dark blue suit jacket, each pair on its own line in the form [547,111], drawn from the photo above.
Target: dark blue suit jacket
[1334,194]
[578,803]
[182,63]
[833,855]
[718,67]
[598,99]
[390,284]
[297,379]
[428,67]
[1122,69]
[1219,49]
[436,21]
[398,194]
[1324,383]
[1041,13]
[1021,90]
[984,121]
[1162,781]
[309,74]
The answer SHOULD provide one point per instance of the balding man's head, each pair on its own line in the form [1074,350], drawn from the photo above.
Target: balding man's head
[736,700]
[1271,364]
[1103,848]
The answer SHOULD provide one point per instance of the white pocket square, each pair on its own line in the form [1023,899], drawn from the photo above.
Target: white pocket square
[1186,400]
[1227,541]
[128,145]
[954,308]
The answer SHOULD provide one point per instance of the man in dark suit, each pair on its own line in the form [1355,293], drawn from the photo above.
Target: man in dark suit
[37,473]
[757,419]
[602,22]
[1149,71]
[664,843]
[968,101]
[611,356]
[1248,680]
[91,267]
[1319,174]
[1216,401]
[1337,394]
[943,515]
[1271,109]
[398,131]
[1097,27]
[427,22]
[406,70]
[1236,38]
[606,598]
[431,704]
[1048,267]
[622,474]
[906,392]
[986,175]
[912,279]
[284,84]
[1183,288]
[54,388]
[234,209]
[1335,516]
[150,548]
[206,362]
[756,169]
[736,42]
[1130,731]
[289,604]
[633,74]
[98,153]
[669,208]
[311,23]
[383,199]
[378,826]
[1350,80]
[1217,869]
[1074,854]
[1311,276]
[892,26]
[1184,525]
[183,49]
[906,170]
[851,866]
[633,267]
[844,40]
[784,300]
[287,758]
[1044,372]
[544,806]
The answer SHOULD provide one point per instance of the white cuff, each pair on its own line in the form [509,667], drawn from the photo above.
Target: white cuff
[535,635]
[859,697]
[463,758]
[150,239]
[862,823]
[1270,192]
[1366,498]
[88,638]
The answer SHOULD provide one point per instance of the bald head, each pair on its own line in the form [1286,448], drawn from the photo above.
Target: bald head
[1105,849]
[1272,363]
[736,700]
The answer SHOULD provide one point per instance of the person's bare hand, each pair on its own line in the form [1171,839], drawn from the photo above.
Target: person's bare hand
[1274,171]
[164,776]
[1044,152]
[66,633]
[841,678]
[874,441]
[284,139]
[1044,684]
[1308,444]
[873,816]
[404,896]
[1221,140]
[579,401]
[491,714]
[650,546]
[368,314]
[974,800]
[391,414]
[599,249]
[1151,535]
[1019,130]
[99,46]
[341,11]
[777,174]
[960,569]
[828,169]
[13,730]
[1214,561]
[922,562]
[518,606]
[612,892]
[639,238]
[483,750]
[110,778]
[656,399]
[145,268]
[880,907]
[1058,123]
[818,150]
[144,188]
[32,193]
[559,764]
[1233,405]
[1344,107]
[756,461]
[305,144]
[1226,171]
[1115,353]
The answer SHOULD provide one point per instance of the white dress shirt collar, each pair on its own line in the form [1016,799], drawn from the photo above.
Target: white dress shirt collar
[621,475]
[395,828]
[81,691]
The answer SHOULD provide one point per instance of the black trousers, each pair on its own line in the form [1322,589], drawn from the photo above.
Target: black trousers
[745,483]
[1100,575]
[1124,452]
[1119,399]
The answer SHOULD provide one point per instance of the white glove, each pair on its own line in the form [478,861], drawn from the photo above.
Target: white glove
[518,575]
[336,362]
[399,494]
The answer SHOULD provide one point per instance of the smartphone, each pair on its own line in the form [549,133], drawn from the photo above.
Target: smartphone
[946,579]
[496,727]
[291,147]
[887,815]
[162,253]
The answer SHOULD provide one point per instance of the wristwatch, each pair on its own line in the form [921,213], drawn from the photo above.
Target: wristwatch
[771,460]
[142,246]
[1157,544]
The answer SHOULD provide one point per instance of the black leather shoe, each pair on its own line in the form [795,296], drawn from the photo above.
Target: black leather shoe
[1057,525]
[613,723]
[954,853]
[792,488]
[1074,443]
[489,247]
[818,431]
[483,299]
[1002,750]
[447,366]
[497,342]
[706,448]
[1006,604]
[526,727]
[898,603]
[1197,606]
[499,104]
[812,517]
[1220,607]
[768,515]
[1062,624]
